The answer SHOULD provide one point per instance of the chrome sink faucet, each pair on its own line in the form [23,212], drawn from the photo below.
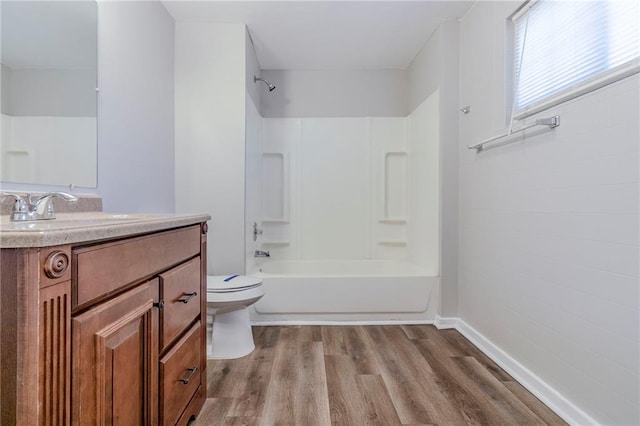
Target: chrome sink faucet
[25,209]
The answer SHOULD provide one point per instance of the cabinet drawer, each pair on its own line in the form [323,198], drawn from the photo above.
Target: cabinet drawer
[180,292]
[102,269]
[180,376]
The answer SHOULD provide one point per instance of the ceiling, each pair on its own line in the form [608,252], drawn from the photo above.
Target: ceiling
[320,35]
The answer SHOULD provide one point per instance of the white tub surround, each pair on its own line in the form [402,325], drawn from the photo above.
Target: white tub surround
[352,188]
[362,192]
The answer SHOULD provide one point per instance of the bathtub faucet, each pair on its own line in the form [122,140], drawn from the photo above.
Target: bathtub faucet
[260,253]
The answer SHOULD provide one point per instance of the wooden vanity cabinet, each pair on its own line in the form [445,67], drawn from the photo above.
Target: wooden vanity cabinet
[105,333]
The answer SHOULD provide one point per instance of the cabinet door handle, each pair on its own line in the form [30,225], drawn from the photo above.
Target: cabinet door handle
[159,304]
[192,371]
[187,296]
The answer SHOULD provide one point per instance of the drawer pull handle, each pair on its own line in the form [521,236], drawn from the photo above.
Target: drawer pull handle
[192,371]
[187,296]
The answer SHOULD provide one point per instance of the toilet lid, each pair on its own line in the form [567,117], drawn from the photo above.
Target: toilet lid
[224,283]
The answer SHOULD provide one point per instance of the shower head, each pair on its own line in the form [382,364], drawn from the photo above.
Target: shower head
[269,85]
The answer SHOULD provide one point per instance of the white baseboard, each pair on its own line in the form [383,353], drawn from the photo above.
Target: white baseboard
[443,323]
[316,322]
[545,393]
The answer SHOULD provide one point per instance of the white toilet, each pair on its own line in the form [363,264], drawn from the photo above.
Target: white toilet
[228,299]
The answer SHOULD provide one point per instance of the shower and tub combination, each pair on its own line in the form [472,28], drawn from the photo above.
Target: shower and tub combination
[348,207]
[348,211]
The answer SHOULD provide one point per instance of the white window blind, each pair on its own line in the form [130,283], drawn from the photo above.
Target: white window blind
[568,44]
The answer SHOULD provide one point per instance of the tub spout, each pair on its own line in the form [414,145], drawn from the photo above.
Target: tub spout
[260,253]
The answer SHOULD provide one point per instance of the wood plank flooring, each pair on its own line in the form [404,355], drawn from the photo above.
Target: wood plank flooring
[366,375]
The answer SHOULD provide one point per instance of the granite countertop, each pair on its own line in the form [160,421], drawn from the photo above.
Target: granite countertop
[70,228]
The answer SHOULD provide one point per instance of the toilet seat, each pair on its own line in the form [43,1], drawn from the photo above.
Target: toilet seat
[231,283]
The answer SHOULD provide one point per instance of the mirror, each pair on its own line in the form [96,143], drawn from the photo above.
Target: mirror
[49,122]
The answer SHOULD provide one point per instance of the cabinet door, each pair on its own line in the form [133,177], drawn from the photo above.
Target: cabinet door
[114,360]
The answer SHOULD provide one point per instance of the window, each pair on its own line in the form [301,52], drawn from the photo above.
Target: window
[563,49]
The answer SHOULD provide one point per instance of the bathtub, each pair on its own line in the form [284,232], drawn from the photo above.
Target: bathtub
[319,291]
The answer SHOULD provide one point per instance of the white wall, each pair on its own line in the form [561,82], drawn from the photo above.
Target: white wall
[449,121]
[424,184]
[425,71]
[326,93]
[210,135]
[253,182]
[435,69]
[5,88]
[255,90]
[135,107]
[253,144]
[549,231]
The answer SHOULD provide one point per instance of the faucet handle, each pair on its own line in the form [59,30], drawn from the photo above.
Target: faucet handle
[15,195]
[20,209]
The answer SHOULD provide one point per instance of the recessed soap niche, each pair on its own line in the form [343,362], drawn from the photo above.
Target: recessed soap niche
[394,201]
[275,187]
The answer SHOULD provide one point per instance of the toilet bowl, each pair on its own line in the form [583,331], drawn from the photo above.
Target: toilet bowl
[228,299]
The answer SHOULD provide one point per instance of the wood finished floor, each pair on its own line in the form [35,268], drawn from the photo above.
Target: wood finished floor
[366,375]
